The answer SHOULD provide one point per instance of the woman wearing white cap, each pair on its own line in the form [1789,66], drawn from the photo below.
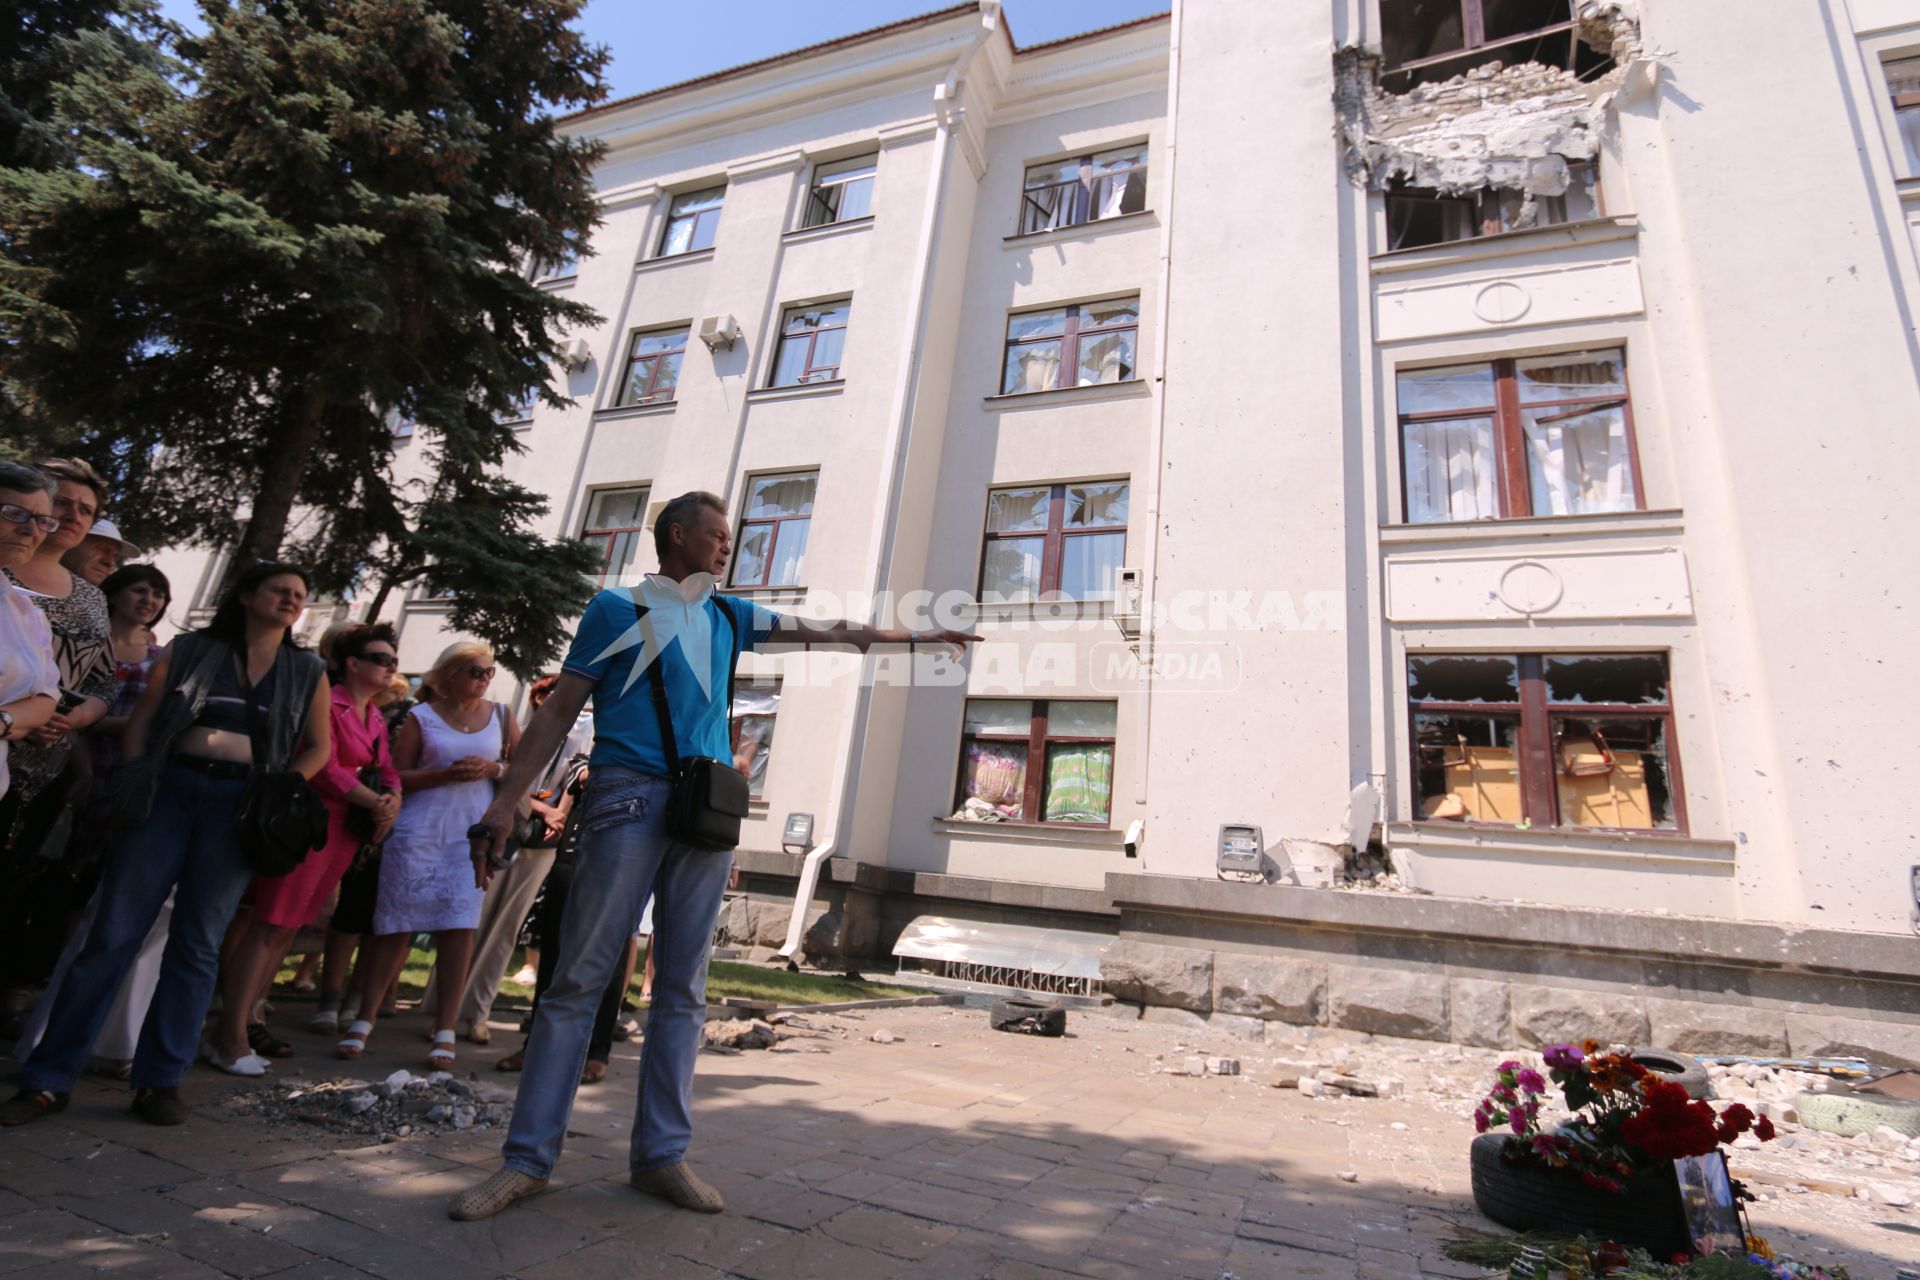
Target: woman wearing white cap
[101,552]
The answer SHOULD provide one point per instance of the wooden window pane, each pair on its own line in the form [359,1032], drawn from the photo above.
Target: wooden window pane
[1097,506]
[1079,782]
[1573,376]
[1032,366]
[1109,314]
[1467,767]
[993,776]
[1106,357]
[1451,470]
[755,709]
[1000,717]
[1612,772]
[1619,679]
[1450,677]
[1037,324]
[750,555]
[789,553]
[614,508]
[1017,510]
[1090,565]
[1010,570]
[782,495]
[1578,460]
[1453,387]
[1077,719]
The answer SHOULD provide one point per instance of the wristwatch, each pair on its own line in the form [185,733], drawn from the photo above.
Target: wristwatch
[6,725]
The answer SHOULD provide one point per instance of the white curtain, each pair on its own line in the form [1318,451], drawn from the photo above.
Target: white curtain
[1451,473]
[1579,461]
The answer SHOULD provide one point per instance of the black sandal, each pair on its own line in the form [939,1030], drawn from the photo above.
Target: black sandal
[265,1043]
[31,1104]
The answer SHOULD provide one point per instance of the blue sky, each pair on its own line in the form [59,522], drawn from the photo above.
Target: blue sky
[658,42]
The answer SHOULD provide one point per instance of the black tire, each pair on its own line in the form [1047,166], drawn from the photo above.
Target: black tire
[1029,1016]
[1675,1068]
[1530,1198]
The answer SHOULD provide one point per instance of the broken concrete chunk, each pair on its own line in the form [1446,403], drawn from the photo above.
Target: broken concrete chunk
[1223,1066]
[883,1037]
[736,1034]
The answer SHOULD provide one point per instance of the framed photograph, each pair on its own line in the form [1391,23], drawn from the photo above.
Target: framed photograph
[1707,1199]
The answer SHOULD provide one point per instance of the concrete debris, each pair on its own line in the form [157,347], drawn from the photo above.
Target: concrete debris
[396,1107]
[734,1034]
[1223,1066]
[1517,128]
[1348,1175]
[883,1037]
[1892,1197]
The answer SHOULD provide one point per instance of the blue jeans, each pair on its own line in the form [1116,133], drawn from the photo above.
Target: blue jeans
[624,854]
[188,841]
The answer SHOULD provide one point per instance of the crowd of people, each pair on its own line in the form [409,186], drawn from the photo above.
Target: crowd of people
[174,817]
[112,740]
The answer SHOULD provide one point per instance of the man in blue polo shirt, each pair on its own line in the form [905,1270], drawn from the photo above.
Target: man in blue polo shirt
[675,629]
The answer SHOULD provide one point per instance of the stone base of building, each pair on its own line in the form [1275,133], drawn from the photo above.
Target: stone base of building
[1259,960]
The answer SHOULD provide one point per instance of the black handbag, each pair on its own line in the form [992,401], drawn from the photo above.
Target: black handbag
[282,818]
[706,798]
[360,822]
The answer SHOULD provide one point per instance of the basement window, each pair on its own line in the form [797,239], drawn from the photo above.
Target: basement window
[1565,740]
[1418,218]
[1430,40]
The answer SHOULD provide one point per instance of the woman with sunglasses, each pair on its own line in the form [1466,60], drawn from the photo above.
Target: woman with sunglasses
[29,680]
[452,749]
[359,775]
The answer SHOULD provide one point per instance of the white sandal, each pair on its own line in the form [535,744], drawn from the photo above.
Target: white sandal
[247,1064]
[440,1057]
[355,1043]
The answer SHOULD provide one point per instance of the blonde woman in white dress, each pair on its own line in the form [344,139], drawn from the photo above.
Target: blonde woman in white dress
[452,749]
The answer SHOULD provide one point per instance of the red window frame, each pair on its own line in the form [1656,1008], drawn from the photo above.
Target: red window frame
[655,359]
[1534,741]
[1069,339]
[1033,797]
[774,522]
[1513,490]
[809,372]
[711,228]
[609,534]
[1054,552]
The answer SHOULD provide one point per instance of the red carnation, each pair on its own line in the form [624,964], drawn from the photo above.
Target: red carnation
[1763,1128]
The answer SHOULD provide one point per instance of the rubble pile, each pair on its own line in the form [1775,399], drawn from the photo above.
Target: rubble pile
[400,1106]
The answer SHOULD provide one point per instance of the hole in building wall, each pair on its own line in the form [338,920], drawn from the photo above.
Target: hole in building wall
[1424,41]
[1418,217]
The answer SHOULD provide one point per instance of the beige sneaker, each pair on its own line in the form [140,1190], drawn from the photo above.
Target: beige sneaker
[493,1195]
[679,1184]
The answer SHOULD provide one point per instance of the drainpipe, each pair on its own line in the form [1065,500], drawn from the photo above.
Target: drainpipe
[1157,438]
[887,515]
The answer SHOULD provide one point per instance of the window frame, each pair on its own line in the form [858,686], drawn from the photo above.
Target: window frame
[1513,486]
[621,398]
[1029,210]
[773,543]
[1534,742]
[1473,37]
[1069,340]
[1906,159]
[610,533]
[1485,211]
[758,684]
[1054,540]
[812,336]
[815,183]
[1033,795]
[667,223]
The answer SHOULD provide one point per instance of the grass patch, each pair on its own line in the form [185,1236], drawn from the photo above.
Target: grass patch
[725,980]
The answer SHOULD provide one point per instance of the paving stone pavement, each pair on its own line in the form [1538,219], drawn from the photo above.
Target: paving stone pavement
[953,1153]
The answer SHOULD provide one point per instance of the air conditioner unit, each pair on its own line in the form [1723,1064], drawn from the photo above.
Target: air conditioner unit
[718,331]
[1127,595]
[575,355]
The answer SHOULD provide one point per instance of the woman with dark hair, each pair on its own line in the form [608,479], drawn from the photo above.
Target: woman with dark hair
[136,597]
[217,700]
[359,775]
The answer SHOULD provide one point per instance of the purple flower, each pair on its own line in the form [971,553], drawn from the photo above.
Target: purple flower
[1562,1057]
[1480,1122]
[1530,1081]
[1509,1065]
[1518,1121]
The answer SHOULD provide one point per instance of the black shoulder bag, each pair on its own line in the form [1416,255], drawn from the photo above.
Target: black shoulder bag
[361,823]
[282,819]
[707,798]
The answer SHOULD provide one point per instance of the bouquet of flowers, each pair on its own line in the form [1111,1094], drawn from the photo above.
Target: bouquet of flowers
[1625,1118]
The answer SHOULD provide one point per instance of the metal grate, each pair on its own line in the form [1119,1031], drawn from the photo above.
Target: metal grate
[1024,979]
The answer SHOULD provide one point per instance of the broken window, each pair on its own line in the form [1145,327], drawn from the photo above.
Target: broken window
[616,528]
[1054,542]
[1549,740]
[756,705]
[1075,346]
[1088,188]
[1417,218]
[771,550]
[1427,40]
[1037,761]
[1534,436]
[1903,82]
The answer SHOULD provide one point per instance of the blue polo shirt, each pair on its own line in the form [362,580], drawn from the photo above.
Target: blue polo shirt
[610,641]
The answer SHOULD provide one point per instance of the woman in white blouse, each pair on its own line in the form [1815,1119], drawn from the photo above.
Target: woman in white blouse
[29,682]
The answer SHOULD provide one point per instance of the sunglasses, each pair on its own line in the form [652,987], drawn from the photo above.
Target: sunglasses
[386,660]
[13,514]
[480,673]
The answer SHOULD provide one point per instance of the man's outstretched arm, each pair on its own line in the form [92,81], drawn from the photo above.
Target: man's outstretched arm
[536,749]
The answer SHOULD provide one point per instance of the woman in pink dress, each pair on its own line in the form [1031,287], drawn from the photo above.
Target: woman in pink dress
[364,659]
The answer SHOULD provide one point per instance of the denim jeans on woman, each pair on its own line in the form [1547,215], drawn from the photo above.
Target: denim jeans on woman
[188,841]
[624,853]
